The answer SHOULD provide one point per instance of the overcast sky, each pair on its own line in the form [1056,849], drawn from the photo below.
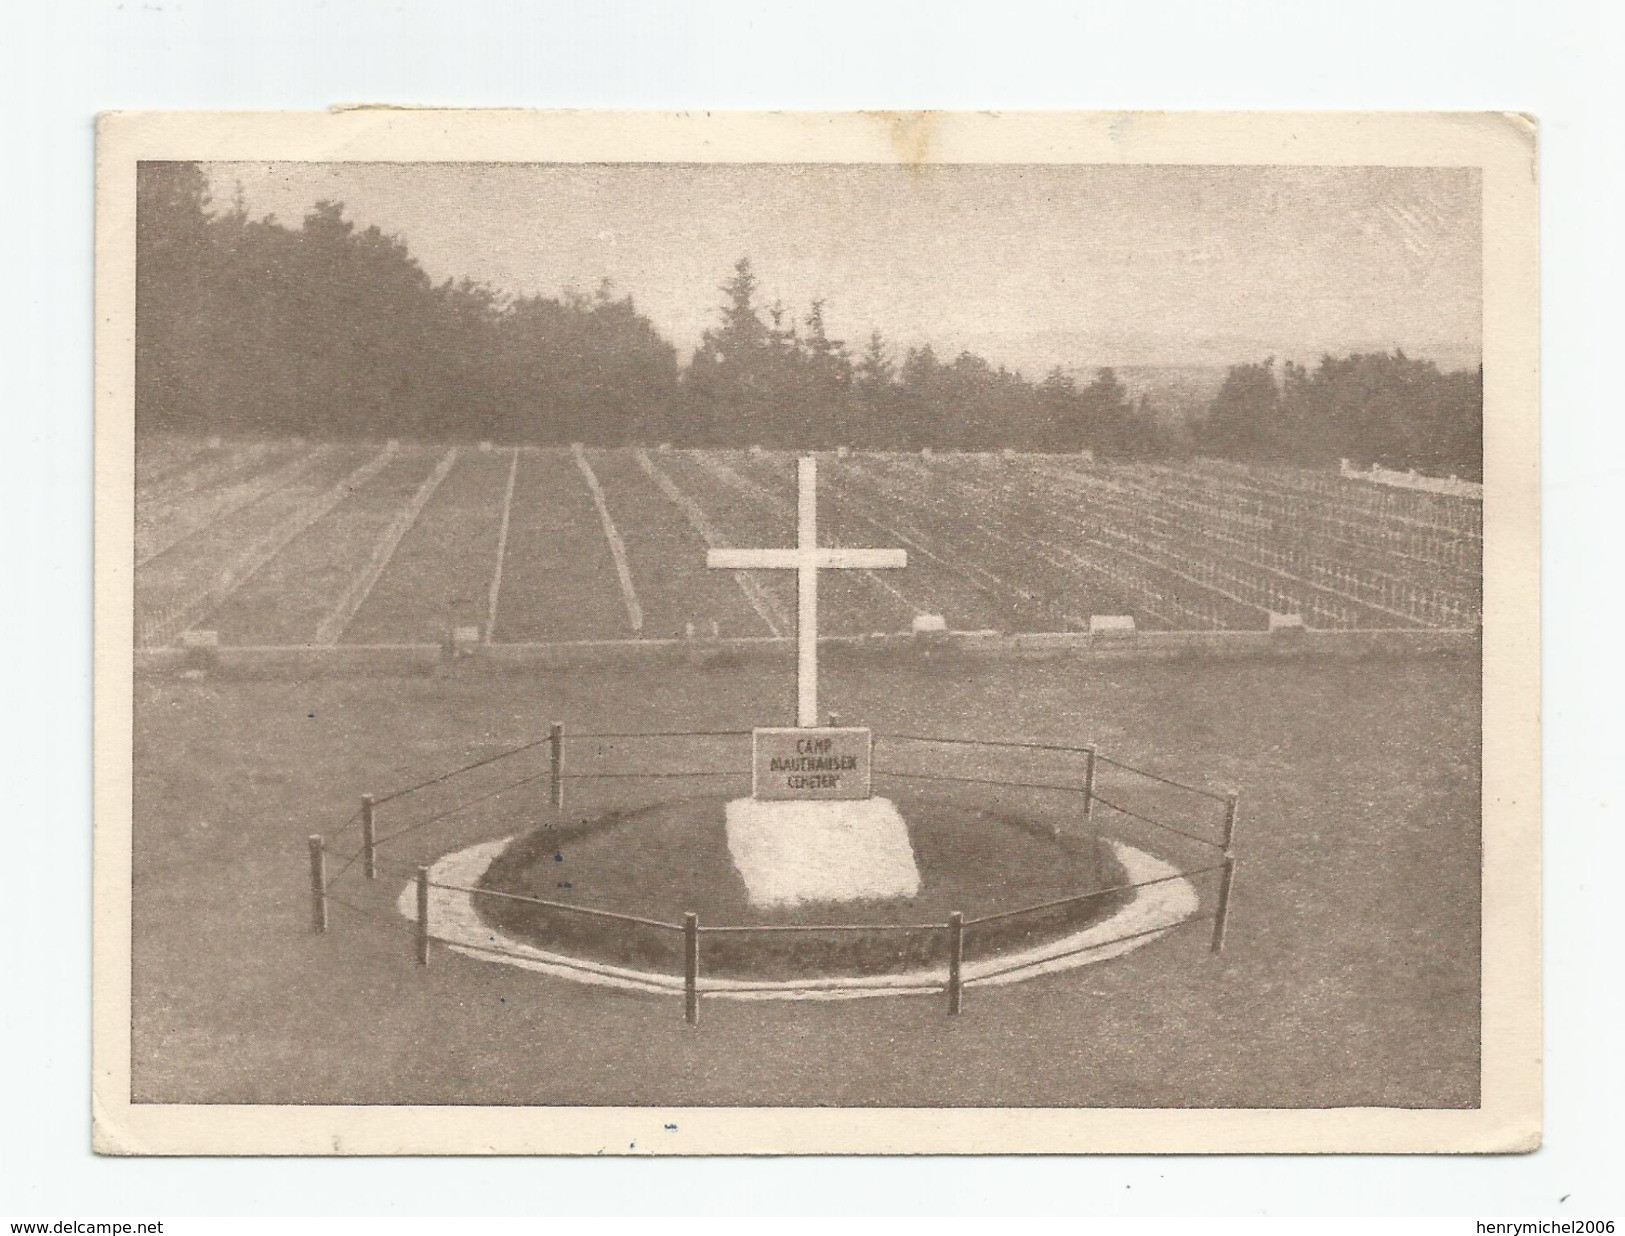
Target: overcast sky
[1028,266]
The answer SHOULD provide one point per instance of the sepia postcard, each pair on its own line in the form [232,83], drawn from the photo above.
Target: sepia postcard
[867,633]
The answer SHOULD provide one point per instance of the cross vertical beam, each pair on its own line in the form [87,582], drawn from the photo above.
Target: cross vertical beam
[806,560]
[807,591]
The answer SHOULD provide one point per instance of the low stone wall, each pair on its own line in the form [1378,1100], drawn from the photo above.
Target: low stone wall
[1453,486]
[408,659]
[1300,642]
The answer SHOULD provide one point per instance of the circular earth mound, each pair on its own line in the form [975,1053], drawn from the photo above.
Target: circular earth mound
[663,861]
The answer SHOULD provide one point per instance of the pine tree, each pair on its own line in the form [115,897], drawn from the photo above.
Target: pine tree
[1064,427]
[875,370]
[726,383]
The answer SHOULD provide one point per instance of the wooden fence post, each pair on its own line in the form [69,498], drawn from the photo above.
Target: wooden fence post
[691,969]
[956,961]
[1089,784]
[318,885]
[369,839]
[555,751]
[423,916]
[1227,873]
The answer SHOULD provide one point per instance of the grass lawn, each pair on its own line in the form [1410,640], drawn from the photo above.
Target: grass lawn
[1351,974]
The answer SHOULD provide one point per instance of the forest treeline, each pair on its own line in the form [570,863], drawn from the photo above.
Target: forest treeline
[1371,407]
[251,326]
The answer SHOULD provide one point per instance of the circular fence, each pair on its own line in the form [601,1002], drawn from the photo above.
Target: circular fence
[409,833]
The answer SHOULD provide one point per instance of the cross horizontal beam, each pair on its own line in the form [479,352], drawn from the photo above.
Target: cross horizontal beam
[794,559]
[806,559]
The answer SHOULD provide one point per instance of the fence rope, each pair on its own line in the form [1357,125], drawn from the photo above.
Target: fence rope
[1089,948]
[1178,785]
[639,776]
[749,928]
[372,912]
[433,819]
[772,929]
[1016,785]
[789,985]
[597,967]
[980,742]
[1044,746]
[1115,888]
[570,735]
[350,822]
[1145,819]
[350,862]
[551,959]
[403,872]
[559,905]
[812,983]
[1027,746]
[490,759]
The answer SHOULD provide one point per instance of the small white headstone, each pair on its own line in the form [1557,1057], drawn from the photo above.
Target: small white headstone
[1285,622]
[1087,455]
[465,640]
[1111,626]
[214,442]
[486,446]
[200,639]
[1009,452]
[755,450]
[664,448]
[926,624]
[840,452]
[926,452]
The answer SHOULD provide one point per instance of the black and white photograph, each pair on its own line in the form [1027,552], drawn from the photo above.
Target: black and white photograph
[768,634]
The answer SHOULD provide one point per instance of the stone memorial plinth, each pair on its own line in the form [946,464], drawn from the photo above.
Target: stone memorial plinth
[791,853]
[811,832]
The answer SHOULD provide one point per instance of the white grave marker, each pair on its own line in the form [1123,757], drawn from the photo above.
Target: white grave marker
[1111,626]
[806,559]
[787,845]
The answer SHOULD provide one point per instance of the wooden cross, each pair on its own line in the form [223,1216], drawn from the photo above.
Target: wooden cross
[806,559]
